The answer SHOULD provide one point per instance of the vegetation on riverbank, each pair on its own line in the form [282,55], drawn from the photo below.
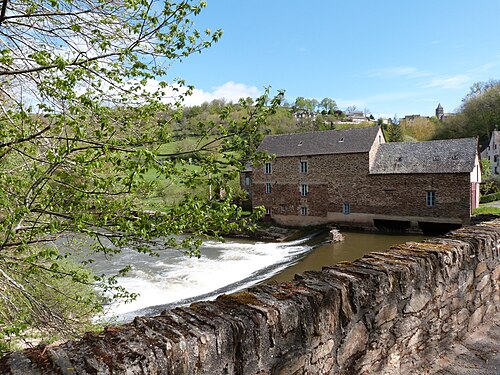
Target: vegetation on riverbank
[98,140]
[485,210]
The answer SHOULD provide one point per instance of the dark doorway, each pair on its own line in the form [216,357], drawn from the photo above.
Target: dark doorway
[435,229]
[398,226]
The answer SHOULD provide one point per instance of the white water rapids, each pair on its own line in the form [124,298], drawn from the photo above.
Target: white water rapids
[176,279]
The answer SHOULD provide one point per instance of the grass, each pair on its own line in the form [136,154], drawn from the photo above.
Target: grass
[486,210]
[164,192]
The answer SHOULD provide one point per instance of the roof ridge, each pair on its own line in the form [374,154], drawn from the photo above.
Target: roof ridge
[324,131]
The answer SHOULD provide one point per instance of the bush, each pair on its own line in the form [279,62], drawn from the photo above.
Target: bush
[39,294]
[490,185]
[490,197]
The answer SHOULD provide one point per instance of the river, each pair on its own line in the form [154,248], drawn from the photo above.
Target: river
[173,279]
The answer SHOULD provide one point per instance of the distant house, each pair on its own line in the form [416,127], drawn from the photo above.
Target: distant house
[491,152]
[354,177]
[304,114]
[355,117]
[418,120]
[414,120]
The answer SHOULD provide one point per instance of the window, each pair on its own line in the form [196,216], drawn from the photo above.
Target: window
[268,211]
[304,190]
[303,211]
[303,166]
[247,180]
[268,167]
[430,198]
[346,209]
[268,187]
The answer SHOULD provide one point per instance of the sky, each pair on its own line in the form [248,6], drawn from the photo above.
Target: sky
[392,57]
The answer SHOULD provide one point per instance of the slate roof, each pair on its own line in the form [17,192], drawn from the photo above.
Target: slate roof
[445,156]
[320,142]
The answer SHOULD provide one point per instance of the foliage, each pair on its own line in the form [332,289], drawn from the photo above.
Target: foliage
[326,105]
[490,197]
[478,115]
[329,106]
[85,129]
[486,210]
[304,104]
[394,132]
[30,307]
[490,184]
[420,128]
[485,169]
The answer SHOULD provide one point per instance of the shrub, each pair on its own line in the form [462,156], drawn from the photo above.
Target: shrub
[490,197]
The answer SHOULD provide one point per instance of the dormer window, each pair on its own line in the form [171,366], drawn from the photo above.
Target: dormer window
[300,143]
[435,158]
[341,139]
[399,159]
[454,157]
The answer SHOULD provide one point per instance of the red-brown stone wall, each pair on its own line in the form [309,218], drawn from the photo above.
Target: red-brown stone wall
[405,195]
[347,171]
[337,179]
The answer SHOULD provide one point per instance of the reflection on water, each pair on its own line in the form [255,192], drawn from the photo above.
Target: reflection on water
[354,246]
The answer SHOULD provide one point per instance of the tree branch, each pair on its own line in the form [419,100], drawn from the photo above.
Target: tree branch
[21,140]
[52,66]
[3,11]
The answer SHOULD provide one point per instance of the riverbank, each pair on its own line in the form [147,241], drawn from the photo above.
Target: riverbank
[270,232]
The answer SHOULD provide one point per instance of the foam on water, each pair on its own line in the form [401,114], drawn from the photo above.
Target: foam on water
[223,268]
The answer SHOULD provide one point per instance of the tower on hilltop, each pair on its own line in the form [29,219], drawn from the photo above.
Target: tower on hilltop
[440,112]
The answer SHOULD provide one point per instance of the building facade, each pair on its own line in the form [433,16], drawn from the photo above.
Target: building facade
[492,151]
[354,177]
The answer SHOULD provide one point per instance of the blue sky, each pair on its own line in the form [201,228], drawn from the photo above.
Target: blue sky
[392,57]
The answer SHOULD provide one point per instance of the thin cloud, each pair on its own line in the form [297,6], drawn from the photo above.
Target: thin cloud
[453,82]
[485,68]
[399,71]
[389,97]
[229,91]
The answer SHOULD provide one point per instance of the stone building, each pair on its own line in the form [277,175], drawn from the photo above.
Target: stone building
[353,177]
[491,152]
[414,120]
[440,112]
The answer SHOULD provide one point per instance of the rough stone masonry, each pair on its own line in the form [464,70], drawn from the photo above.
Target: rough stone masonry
[387,313]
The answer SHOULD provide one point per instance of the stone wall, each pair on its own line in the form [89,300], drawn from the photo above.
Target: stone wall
[389,313]
[408,193]
[344,178]
[329,177]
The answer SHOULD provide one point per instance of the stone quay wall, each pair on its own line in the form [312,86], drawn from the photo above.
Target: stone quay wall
[387,313]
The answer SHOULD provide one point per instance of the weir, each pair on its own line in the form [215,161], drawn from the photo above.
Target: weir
[386,313]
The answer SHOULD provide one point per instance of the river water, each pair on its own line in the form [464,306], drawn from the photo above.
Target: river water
[173,279]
